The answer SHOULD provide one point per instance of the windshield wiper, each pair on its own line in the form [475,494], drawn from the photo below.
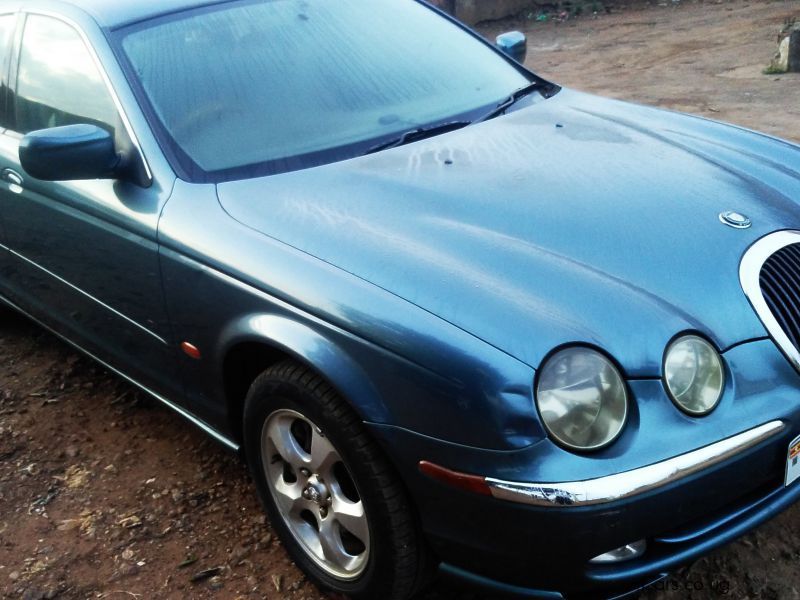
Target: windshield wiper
[511,101]
[420,133]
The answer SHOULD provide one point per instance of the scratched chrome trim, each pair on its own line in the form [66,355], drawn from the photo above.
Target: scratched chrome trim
[106,79]
[749,277]
[631,483]
[87,295]
[184,413]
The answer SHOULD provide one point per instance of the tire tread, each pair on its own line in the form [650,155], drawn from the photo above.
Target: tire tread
[411,565]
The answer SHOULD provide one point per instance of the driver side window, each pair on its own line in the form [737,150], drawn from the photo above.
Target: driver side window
[7,25]
[58,82]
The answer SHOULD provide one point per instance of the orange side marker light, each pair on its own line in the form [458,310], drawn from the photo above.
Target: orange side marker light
[191,350]
[469,483]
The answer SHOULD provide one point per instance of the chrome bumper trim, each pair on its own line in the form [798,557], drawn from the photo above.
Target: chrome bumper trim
[631,483]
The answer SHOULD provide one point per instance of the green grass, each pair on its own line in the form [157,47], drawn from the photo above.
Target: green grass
[773,70]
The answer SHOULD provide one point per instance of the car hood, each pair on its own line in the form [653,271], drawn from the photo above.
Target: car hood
[576,219]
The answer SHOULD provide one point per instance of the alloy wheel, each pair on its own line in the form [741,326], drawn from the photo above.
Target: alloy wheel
[315,494]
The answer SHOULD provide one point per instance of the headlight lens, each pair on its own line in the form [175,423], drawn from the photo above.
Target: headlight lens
[582,399]
[694,375]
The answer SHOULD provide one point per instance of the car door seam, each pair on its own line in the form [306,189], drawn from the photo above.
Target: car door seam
[175,407]
[86,294]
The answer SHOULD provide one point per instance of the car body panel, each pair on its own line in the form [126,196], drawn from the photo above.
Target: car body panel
[514,232]
[404,365]
[92,251]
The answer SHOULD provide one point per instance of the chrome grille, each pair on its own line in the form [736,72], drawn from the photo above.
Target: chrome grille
[780,285]
[770,277]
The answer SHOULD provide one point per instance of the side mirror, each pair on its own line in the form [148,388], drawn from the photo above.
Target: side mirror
[69,153]
[515,44]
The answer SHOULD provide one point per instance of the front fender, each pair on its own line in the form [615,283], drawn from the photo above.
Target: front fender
[311,347]
[480,398]
[397,364]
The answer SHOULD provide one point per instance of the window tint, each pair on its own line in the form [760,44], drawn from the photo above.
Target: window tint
[281,81]
[7,23]
[6,30]
[58,81]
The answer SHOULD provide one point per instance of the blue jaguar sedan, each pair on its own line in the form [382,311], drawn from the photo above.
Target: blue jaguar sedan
[454,316]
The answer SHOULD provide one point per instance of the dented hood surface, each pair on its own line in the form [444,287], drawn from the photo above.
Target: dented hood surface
[576,219]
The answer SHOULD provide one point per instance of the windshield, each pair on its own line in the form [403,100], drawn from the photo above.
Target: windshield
[257,87]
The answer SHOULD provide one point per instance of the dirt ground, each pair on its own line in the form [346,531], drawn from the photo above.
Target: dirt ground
[105,494]
[703,58]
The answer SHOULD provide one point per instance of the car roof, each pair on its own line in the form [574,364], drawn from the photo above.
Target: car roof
[116,13]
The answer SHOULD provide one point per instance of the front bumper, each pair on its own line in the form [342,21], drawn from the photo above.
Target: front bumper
[664,555]
[637,481]
[537,540]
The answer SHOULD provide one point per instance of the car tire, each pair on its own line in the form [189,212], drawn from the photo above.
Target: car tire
[333,498]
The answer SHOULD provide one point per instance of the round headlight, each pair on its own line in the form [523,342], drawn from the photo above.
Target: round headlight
[694,375]
[582,399]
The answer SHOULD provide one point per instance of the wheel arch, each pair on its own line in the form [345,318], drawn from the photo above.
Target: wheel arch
[253,344]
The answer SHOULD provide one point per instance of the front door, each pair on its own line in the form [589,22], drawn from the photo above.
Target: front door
[83,255]
[8,23]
